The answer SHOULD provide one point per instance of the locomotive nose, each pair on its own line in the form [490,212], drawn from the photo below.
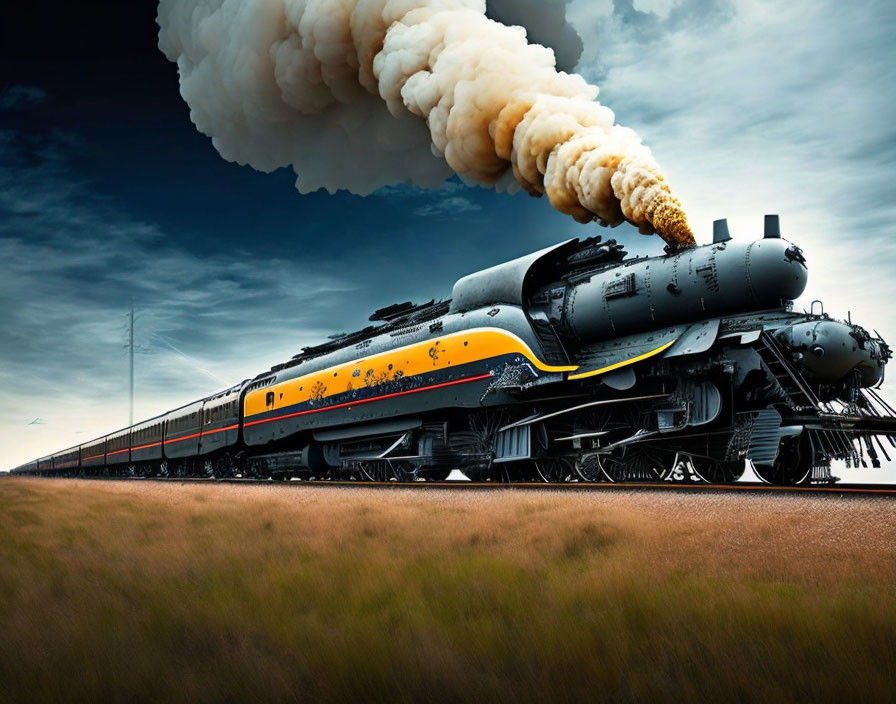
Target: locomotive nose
[830,351]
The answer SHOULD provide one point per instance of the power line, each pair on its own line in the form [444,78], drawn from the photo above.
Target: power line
[190,360]
[131,355]
[133,347]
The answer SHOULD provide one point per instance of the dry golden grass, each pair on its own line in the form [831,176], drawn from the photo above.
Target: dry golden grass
[127,591]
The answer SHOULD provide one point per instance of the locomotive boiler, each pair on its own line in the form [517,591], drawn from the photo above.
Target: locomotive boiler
[574,363]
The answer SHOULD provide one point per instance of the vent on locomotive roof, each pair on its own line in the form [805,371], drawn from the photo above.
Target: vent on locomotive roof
[337,342]
[595,251]
[397,310]
[410,313]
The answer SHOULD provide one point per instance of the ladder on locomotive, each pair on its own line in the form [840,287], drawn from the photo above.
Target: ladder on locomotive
[798,394]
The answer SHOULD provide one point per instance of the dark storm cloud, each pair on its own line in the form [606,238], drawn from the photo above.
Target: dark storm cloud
[546,24]
[452,199]
[21,97]
[450,206]
[72,261]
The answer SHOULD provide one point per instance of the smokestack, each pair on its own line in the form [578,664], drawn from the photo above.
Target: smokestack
[328,86]
[772,227]
[720,231]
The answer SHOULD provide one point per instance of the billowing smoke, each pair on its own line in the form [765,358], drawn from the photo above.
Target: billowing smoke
[332,88]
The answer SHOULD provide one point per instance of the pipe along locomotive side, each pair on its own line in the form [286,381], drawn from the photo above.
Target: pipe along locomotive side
[572,363]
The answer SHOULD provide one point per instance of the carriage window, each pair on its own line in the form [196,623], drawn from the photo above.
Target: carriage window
[269,399]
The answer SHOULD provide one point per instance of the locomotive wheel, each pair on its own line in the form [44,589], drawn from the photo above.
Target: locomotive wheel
[370,471]
[552,469]
[224,467]
[504,473]
[640,462]
[793,464]
[402,470]
[718,471]
[588,469]
[512,472]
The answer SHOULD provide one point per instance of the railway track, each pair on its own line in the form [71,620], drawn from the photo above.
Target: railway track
[879,490]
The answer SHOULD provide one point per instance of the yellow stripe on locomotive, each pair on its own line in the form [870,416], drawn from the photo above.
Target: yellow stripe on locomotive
[452,350]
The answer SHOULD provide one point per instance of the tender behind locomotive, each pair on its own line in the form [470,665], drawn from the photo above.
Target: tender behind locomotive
[570,363]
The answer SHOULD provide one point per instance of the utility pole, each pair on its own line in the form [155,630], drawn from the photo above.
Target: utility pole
[131,355]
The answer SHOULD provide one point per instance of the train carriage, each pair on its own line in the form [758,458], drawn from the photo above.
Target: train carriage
[29,468]
[93,457]
[118,450]
[146,442]
[182,432]
[220,421]
[67,463]
[45,466]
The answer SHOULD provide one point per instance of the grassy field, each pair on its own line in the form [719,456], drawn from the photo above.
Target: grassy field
[147,591]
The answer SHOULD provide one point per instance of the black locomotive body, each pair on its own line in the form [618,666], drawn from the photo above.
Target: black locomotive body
[572,363]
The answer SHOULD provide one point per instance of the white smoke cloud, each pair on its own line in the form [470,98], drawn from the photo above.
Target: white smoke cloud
[329,87]
[272,92]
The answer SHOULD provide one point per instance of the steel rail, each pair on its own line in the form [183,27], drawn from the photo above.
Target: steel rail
[879,490]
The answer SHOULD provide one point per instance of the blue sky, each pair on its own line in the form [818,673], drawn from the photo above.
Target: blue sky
[108,193]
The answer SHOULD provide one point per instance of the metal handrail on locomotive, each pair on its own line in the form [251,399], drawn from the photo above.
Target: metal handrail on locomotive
[574,363]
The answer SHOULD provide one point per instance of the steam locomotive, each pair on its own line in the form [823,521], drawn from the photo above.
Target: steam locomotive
[574,363]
